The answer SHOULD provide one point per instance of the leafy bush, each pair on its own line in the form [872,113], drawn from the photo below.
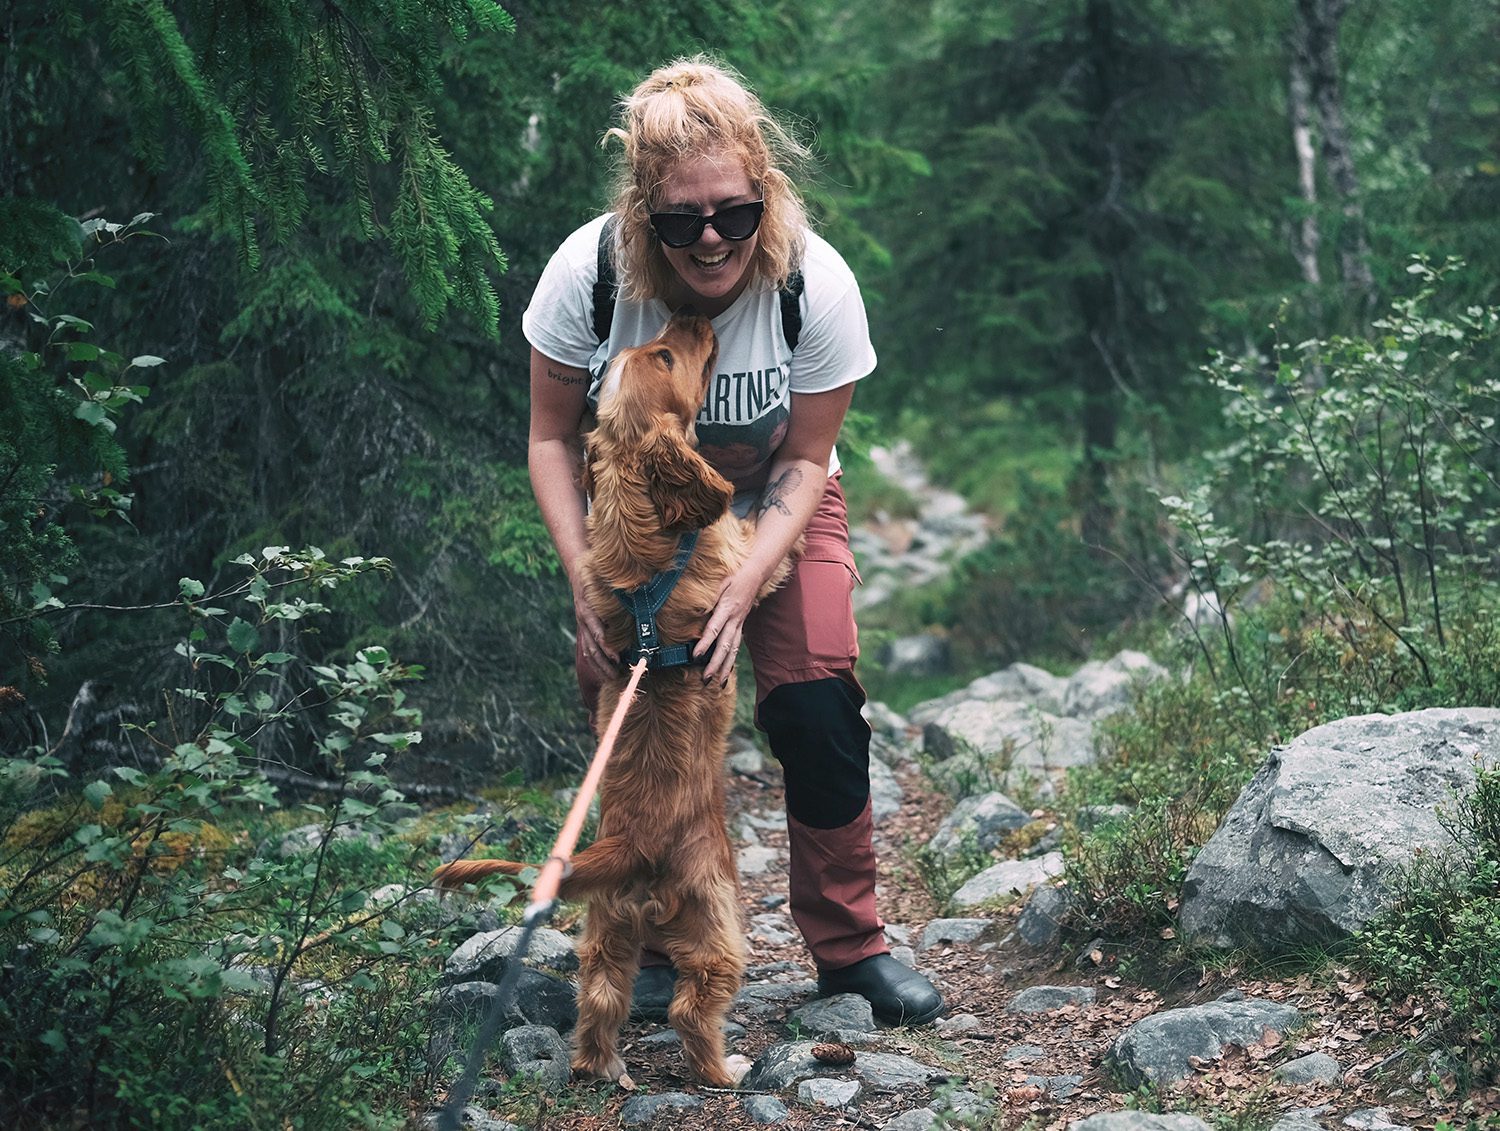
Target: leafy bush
[162,971]
[64,396]
[1362,488]
[1438,942]
[1340,552]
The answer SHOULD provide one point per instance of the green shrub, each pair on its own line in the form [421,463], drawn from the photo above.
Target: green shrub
[1439,940]
[182,945]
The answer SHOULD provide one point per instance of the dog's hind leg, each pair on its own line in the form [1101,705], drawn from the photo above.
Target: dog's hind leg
[708,949]
[608,959]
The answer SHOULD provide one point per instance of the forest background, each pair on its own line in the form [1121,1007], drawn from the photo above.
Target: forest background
[263,395]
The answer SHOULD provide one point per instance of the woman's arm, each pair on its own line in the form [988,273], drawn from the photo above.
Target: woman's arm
[559,396]
[798,477]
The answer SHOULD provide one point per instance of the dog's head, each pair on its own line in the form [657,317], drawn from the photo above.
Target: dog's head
[648,404]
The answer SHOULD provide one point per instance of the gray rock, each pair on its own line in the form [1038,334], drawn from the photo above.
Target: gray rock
[668,1038]
[1019,683]
[1138,1121]
[1315,1068]
[483,957]
[1044,999]
[962,1103]
[1007,878]
[1024,1054]
[539,999]
[1373,1119]
[784,1065]
[1003,744]
[1058,1087]
[1303,855]
[957,1025]
[771,927]
[1156,1050]
[1040,924]
[831,1014]
[941,931]
[766,1109]
[644,1109]
[305,838]
[1302,1119]
[886,722]
[744,756]
[823,1092]
[754,859]
[886,793]
[472,1118]
[771,999]
[918,1119]
[1097,690]
[536,1051]
[925,653]
[982,821]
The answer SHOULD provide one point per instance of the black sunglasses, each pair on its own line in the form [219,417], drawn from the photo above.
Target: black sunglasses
[683,229]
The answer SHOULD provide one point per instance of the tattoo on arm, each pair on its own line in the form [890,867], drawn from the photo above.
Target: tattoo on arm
[775,495]
[568,378]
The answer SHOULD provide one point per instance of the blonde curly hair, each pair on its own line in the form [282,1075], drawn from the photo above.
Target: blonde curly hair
[689,107]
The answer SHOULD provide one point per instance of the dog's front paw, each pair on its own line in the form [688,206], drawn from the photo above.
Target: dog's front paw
[609,1068]
[738,1068]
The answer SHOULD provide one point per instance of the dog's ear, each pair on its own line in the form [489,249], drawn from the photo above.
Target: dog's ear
[688,494]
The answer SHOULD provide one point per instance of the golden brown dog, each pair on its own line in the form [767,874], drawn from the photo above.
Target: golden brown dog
[662,867]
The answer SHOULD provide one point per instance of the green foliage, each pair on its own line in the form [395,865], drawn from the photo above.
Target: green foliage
[282,102]
[163,971]
[64,396]
[1437,942]
[1363,488]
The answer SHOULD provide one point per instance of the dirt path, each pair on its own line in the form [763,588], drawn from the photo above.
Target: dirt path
[1039,1071]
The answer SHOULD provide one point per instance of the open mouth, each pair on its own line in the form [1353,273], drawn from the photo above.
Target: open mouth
[711,262]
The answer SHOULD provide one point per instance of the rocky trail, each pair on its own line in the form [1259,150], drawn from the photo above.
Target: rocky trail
[1043,1028]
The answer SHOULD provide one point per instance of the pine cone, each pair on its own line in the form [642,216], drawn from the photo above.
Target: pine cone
[833,1053]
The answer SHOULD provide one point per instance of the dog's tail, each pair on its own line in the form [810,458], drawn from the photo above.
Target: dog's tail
[453,875]
[608,862]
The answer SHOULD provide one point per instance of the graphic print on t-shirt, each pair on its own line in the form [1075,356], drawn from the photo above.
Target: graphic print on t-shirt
[742,422]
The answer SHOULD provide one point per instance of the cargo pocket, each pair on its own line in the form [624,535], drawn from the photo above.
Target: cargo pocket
[828,611]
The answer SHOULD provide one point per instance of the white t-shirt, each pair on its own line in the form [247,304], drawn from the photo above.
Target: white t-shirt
[744,415]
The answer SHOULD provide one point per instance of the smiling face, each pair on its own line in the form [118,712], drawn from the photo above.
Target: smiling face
[713,272]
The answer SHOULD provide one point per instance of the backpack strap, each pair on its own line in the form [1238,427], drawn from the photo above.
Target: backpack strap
[605,285]
[791,309]
[607,289]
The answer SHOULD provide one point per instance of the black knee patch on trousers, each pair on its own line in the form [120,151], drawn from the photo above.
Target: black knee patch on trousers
[823,744]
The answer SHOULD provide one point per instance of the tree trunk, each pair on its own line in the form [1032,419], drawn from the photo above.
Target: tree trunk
[1316,28]
[1099,298]
[1299,106]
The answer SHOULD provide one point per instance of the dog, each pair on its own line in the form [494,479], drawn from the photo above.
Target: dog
[662,867]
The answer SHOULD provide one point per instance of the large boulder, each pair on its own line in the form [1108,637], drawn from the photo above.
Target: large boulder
[1304,854]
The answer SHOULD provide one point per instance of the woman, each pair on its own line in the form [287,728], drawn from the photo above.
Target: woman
[708,218]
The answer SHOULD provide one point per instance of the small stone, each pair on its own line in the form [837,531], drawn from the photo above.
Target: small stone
[1044,999]
[1314,1068]
[766,1109]
[1024,1054]
[644,1109]
[822,1092]
[958,1024]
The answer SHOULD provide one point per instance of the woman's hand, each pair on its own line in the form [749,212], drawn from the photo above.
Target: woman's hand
[725,630]
[597,656]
